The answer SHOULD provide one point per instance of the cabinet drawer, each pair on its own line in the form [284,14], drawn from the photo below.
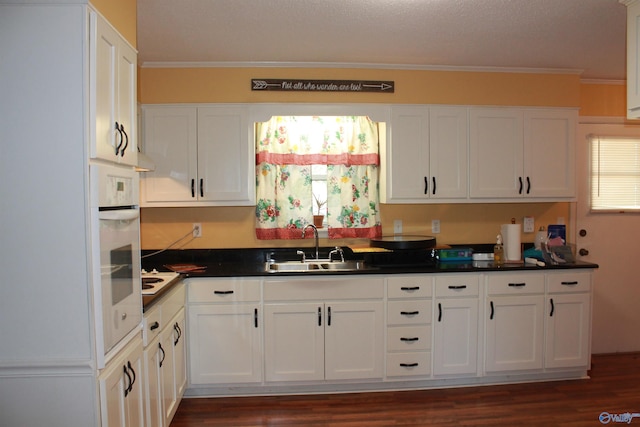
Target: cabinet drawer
[522,283]
[457,285]
[409,287]
[224,290]
[417,363]
[569,282]
[409,312]
[407,338]
[173,302]
[151,324]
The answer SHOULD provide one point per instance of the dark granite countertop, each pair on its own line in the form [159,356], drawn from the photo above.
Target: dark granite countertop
[251,262]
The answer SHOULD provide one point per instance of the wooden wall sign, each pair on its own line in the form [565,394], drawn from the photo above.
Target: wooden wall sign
[322,85]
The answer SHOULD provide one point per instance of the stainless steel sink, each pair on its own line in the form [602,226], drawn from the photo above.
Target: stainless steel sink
[313,266]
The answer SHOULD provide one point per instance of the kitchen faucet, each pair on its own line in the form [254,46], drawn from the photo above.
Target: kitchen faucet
[315,233]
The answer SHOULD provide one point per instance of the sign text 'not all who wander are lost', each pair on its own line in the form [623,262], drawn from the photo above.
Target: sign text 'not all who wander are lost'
[322,85]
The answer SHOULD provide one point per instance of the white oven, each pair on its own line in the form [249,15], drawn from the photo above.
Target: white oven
[116,237]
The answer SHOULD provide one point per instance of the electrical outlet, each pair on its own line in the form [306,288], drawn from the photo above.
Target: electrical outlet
[397,226]
[435,226]
[197,229]
[529,224]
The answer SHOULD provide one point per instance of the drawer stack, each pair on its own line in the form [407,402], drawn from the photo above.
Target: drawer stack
[409,312]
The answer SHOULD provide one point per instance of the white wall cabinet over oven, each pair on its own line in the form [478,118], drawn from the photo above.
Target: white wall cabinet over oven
[225,330]
[324,329]
[426,156]
[203,155]
[114,130]
[520,153]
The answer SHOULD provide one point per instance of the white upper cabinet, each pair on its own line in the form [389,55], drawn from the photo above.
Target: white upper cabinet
[633,56]
[114,61]
[203,156]
[522,153]
[427,154]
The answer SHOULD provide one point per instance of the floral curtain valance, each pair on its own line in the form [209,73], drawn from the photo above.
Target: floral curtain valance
[286,147]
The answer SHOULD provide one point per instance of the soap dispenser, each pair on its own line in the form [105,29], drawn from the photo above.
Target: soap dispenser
[498,251]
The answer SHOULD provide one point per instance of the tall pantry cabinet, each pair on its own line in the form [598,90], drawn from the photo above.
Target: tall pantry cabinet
[49,366]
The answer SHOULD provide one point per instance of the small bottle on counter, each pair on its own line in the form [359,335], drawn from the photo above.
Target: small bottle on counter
[498,251]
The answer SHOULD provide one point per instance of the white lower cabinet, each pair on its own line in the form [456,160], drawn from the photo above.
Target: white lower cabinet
[122,388]
[225,331]
[165,357]
[568,320]
[356,332]
[514,318]
[337,334]
[455,344]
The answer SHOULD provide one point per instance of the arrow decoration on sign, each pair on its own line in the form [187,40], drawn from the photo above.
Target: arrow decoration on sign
[286,85]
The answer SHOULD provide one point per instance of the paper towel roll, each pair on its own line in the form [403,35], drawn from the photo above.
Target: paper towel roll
[511,241]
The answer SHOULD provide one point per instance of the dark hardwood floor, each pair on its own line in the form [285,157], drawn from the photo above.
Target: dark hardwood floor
[614,388]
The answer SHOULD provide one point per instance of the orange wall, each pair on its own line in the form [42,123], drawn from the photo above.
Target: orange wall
[185,85]
[122,14]
[233,227]
[603,99]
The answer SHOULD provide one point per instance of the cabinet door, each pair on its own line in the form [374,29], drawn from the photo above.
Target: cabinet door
[180,353]
[354,340]
[549,154]
[115,95]
[294,341]
[226,167]
[448,144]
[455,345]
[173,368]
[170,141]
[514,333]
[633,56]
[495,153]
[106,47]
[224,344]
[152,357]
[122,388]
[167,361]
[568,330]
[126,105]
[135,408]
[407,155]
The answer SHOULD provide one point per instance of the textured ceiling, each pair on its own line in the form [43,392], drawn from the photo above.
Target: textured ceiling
[587,36]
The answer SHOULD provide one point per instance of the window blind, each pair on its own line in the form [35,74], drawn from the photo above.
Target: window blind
[615,174]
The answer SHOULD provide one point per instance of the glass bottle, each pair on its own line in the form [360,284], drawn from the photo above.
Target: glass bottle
[498,251]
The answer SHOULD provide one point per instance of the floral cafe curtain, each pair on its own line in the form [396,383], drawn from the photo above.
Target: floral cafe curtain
[286,147]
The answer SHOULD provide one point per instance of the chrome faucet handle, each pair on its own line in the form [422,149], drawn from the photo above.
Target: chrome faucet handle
[303,255]
[337,250]
[270,256]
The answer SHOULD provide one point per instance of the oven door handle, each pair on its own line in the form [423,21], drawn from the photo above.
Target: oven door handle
[119,215]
